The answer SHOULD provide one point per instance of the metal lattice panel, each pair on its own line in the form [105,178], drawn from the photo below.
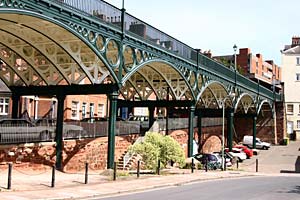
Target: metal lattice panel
[245,104]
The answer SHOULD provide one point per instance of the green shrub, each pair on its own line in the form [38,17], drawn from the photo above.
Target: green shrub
[158,147]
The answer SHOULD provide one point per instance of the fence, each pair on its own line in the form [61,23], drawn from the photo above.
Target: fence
[14,134]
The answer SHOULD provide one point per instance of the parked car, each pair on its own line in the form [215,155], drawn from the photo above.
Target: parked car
[248,141]
[144,120]
[249,152]
[23,130]
[228,158]
[238,153]
[99,119]
[212,158]
[69,130]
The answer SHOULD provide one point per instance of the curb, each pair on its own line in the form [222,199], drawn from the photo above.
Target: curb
[176,184]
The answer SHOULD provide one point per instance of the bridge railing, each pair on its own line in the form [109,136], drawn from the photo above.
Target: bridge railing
[110,14]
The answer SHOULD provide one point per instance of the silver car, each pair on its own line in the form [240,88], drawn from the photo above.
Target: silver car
[22,131]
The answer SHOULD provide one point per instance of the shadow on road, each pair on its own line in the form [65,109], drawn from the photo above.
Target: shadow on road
[295,190]
[297,168]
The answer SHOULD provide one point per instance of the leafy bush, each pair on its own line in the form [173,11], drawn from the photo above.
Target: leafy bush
[158,147]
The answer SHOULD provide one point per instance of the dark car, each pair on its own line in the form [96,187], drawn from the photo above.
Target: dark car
[213,160]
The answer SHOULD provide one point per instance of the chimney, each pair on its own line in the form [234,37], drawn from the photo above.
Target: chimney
[208,53]
[295,41]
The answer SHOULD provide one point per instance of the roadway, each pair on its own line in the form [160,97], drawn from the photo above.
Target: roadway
[267,187]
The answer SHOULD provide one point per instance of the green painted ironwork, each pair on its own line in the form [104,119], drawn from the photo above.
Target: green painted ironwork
[254,131]
[88,24]
[111,126]
[68,42]
[229,129]
[191,131]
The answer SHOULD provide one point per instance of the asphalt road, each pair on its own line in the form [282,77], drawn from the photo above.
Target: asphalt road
[251,188]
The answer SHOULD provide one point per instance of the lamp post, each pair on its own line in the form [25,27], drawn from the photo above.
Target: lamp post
[234,49]
[223,124]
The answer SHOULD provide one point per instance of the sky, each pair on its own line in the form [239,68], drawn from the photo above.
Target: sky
[264,26]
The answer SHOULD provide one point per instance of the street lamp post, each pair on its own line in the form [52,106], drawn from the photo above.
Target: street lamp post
[223,124]
[235,48]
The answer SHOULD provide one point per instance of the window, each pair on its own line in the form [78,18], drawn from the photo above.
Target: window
[100,110]
[4,104]
[290,109]
[297,77]
[297,60]
[298,124]
[92,109]
[75,110]
[83,113]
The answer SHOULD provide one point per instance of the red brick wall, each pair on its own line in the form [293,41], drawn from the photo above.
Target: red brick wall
[281,122]
[243,126]
[75,153]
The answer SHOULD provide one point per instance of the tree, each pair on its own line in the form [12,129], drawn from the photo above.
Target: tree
[158,147]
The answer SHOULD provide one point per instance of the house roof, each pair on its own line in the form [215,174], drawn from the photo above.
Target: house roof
[293,50]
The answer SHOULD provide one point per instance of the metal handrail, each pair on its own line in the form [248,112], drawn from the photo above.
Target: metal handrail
[111,15]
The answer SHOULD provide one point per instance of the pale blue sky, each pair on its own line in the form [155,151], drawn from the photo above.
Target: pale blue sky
[264,26]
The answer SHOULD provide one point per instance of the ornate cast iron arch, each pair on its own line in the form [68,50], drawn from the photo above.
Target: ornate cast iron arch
[264,102]
[81,38]
[218,93]
[157,70]
[247,102]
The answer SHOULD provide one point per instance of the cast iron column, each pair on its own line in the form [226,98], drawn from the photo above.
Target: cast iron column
[111,129]
[199,133]
[229,129]
[59,131]
[191,131]
[254,132]
[15,105]
[151,115]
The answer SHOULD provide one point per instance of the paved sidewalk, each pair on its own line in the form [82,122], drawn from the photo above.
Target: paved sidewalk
[69,186]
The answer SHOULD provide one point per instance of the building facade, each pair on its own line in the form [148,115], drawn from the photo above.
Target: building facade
[290,58]
[253,66]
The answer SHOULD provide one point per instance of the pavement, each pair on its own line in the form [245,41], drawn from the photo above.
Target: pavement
[30,184]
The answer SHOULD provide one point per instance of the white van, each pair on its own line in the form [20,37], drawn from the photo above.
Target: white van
[248,141]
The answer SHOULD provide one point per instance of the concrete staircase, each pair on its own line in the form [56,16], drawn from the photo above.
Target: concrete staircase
[131,163]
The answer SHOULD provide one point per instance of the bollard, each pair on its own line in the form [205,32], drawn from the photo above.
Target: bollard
[256,165]
[115,171]
[138,169]
[9,176]
[237,164]
[53,177]
[86,173]
[158,167]
[206,163]
[225,164]
[193,165]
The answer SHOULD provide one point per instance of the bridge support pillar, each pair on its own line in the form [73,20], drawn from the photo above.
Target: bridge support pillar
[151,115]
[199,133]
[191,131]
[15,105]
[254,131]
[111,129]
[229,129]
[59,131]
